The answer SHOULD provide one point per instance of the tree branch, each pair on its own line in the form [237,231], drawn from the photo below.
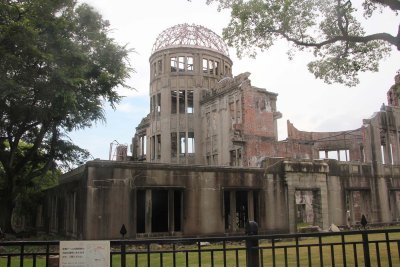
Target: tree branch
[393,4]
[354,39]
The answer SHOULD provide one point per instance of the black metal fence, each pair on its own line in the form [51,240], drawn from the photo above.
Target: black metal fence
[350,248]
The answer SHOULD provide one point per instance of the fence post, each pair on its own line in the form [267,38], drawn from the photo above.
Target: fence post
[367,260]
[123,254]
[252,253]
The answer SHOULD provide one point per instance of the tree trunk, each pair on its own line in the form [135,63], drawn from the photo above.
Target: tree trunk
[6,214]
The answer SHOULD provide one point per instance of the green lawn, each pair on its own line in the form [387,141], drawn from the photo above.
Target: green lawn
[333,248]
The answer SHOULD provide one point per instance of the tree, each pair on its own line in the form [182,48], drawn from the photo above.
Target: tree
[58,68]
[331,29]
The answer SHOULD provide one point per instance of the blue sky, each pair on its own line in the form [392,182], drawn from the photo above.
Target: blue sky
[308,103]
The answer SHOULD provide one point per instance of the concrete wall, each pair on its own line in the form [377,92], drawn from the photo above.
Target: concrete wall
[207,200]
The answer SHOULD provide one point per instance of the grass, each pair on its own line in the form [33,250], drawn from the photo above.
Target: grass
[284,252]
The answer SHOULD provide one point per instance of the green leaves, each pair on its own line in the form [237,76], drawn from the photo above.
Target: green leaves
[328,28]
[57,69]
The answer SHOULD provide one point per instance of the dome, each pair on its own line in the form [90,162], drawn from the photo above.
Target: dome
[185,35]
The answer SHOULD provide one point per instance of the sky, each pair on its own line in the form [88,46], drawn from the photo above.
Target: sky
[310,104]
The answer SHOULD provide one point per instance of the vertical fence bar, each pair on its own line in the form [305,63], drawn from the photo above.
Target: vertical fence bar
[21,256]
[199,252]
[273,252]
[9,261]
[161,260]
[344,251]
[297,252]
[355,255]
[224,251]
[309,255]
[187,258]
[123,254]
[174,254]
[321,256]
[212,258]
[367,259]
[286,259]
[47,254]
[389,253]
[34,260]
[333,255]
[148,255]
[378,254]
[252,245]
[237,257]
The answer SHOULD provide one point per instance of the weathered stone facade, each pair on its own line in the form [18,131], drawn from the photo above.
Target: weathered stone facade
[206,160]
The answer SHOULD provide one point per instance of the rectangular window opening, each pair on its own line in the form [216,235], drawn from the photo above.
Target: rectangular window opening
[182,145]
[174,95]
[211,66]
[190,65]
[158,108]
[205,65]
[190,142]
[159,68]
[158,146]
[182,97]
[174,144]
[216,67]
[174,64]
[189,101]
[181,64]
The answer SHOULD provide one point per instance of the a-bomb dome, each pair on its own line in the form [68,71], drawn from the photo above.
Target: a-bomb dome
[185,35]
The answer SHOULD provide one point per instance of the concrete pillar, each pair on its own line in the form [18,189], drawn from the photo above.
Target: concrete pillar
[250,205]
[171,211]
[292,209]
[232,211]
[148,211]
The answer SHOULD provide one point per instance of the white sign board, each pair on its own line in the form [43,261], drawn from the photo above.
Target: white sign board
[84,253]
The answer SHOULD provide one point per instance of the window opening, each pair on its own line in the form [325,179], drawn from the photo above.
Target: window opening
[158,108]
[174,144]
[174,95]
[159,146]
[211,66]
[159,64]
[383,154]
[174,64]
[391,153]
[241,208]
[182,146]
[205,65]
[189,101]
[182,96]
[190,65]
[216,67]
[232,158]
[190,142]
[153,146]
[181,64]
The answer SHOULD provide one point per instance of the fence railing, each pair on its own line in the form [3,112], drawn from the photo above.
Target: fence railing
[350,248]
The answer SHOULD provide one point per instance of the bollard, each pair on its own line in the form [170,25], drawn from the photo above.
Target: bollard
[252,252]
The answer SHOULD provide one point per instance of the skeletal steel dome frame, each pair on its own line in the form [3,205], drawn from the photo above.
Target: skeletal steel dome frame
[185,35]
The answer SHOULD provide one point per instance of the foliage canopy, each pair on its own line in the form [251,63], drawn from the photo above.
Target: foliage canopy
[332,29]
[58,67]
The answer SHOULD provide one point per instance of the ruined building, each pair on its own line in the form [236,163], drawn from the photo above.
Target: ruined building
[206,160]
